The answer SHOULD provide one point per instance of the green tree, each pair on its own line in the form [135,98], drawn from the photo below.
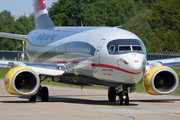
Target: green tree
[138,26]
[156,43]
[146,42]
[7,44]
[7,20]
[164,21]
[23,26]
[165,16]
[96,14]
[109,13]
[92,12]
[57,12]
[68,12]
[172,43]
[152,49]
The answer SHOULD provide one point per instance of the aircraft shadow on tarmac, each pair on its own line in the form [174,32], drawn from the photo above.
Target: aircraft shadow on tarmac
[74,99]
[157,100]
[68,99]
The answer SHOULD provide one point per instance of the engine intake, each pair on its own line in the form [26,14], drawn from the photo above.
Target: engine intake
[161,80]
[22,81]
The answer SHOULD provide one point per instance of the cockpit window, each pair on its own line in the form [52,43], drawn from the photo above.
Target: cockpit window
[124,48]
[136,48]
[112,48]
[121,46]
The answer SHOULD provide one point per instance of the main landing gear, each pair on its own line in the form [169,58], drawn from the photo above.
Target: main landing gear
[122,93]
[43,93]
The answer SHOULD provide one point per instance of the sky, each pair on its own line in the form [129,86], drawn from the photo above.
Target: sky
[17,7]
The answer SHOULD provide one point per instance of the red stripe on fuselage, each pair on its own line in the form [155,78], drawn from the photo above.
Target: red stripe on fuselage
[101,65]
[38,6]
[73,62]
[116,68]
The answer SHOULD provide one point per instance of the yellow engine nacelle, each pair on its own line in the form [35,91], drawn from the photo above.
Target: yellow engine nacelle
[22,81]
[161,80]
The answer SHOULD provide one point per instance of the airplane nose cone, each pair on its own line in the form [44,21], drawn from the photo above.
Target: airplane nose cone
[137,66]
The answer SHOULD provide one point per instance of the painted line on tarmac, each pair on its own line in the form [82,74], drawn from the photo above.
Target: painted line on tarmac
[128,110]
[110,111]
[175,114]
[131,118]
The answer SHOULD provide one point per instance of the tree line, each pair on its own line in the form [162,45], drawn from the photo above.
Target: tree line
[155,22]
[23,25]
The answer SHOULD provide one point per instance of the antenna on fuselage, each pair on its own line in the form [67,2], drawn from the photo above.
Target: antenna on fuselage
[81,24]
[117,26]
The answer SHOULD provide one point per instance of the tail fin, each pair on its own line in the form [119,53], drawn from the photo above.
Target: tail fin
[41,17]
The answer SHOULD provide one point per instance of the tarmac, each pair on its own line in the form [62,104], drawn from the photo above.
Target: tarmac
[67,103]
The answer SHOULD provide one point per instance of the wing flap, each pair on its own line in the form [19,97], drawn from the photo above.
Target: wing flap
[14,36]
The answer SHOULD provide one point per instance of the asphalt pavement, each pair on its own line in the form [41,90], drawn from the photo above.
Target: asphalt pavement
[67,103]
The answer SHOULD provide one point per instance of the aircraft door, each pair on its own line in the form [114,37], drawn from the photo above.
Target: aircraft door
[98,50]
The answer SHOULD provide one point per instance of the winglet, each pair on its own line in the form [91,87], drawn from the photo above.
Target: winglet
[42,19]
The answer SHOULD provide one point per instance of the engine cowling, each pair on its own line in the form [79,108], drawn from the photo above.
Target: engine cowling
[161,80]
[22,81]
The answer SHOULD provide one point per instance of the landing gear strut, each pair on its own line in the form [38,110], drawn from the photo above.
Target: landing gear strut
[121,92]
[43,93]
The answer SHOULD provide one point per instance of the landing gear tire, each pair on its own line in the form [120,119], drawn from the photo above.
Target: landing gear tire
[32,98]
[120,101]
[126,99]
[44,94]
[112,94]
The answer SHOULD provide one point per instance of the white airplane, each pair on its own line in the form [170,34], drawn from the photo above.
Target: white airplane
[107,56]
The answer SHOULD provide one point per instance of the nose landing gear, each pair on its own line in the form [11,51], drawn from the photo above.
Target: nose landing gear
[123,95]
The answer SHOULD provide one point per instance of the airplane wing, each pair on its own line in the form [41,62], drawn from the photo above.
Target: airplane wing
[39,68]
[165,62]
[14,36]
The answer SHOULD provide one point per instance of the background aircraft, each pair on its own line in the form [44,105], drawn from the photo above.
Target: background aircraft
[106,56]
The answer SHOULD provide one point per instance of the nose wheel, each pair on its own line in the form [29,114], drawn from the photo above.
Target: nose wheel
[123,96]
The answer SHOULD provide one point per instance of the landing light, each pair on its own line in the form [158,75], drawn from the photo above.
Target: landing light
[124,97]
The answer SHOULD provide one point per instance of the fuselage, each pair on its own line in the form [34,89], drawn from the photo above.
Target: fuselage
[94,55]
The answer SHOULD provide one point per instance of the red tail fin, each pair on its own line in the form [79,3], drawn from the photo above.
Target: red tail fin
[42,19]
[39,5]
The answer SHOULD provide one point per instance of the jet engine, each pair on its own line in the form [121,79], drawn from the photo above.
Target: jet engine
[160,80]
[22,81]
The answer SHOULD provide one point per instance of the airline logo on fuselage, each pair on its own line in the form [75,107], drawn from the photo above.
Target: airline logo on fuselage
[46,37]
